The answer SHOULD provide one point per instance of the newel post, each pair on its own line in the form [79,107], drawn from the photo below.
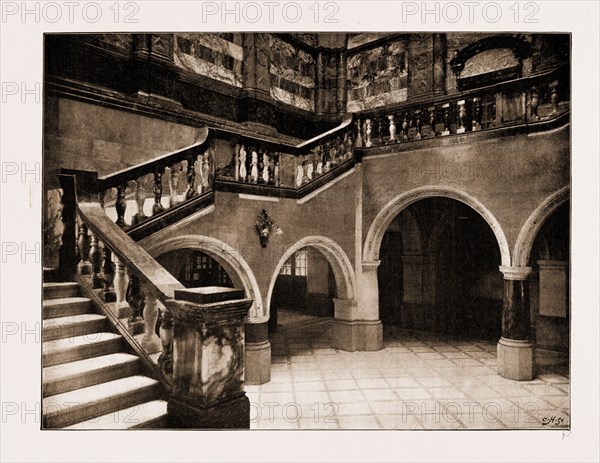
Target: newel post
[208,359]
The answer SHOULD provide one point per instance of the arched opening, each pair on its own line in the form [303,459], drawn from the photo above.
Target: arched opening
[451,285]
[324,277]
[234,265]
[195,268]
[304,290]
[549,289]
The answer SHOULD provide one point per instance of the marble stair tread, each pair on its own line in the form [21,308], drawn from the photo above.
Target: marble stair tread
[72,325]
[71,320]
[64,306]
[139,416]
[86,403]
[74,342]
[56,290]
[69,370]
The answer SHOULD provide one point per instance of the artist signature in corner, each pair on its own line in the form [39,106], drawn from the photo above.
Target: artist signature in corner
[553,420]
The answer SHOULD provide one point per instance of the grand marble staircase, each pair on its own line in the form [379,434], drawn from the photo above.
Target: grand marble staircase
[89,379]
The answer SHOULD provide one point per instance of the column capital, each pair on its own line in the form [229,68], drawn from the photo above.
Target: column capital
[370,265]
[515,273]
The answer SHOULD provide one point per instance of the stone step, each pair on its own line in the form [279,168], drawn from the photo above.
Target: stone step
[80,347]
[90,402]
[61,290]
[72,326]
[65,306]
[70,376]
[147,415]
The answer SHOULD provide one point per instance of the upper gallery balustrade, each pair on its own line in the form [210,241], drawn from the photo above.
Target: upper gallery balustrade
[515,102]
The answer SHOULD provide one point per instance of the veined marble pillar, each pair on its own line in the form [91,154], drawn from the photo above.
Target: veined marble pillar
[356,324]
[515,349]
[208,359]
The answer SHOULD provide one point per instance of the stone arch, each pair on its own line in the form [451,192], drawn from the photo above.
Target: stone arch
[235,265]
[532,226]
[335,255]
[401,202]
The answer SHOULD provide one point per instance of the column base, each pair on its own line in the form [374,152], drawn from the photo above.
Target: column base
[357,335]
[232,414]
[258,363]
[515,359]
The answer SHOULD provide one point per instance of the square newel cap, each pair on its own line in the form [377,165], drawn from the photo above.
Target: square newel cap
[209,294]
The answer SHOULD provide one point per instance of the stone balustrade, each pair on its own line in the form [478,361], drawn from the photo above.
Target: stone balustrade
[522,101]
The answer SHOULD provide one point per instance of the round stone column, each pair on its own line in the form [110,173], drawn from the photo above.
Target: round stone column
[515,349]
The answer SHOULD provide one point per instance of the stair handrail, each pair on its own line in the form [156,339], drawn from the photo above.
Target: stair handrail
[98,238]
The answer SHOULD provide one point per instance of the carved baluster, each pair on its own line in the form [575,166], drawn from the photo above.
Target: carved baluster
[319,156]
[393,138]
[310,167]
[411,124]
[476,114]
[254,167]
[108,274]
[83,244]
[276,180]
[299,173]
[236,162]
[121,205]
[535,102]
[140,199]
[120,283]
[242,164]
[204,160]
[379,131]
[165,361]
[173,185]
[265,168]
[191,178]
[446,119]
[359,141]
[368,131]
[462,116]
[96,260]
[157,207]
[554,96]
[135,299]
[150,341]
[432,122]
[419,124]
[404,127]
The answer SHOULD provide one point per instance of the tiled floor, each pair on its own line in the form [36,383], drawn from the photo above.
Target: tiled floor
[415,382]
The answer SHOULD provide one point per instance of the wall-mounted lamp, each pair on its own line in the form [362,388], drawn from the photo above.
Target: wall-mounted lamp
[265,225]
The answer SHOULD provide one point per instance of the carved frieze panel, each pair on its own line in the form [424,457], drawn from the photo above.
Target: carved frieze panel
[377,77]
[218,56]
[292,73]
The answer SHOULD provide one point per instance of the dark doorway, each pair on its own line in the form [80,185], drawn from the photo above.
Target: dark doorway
[451,284]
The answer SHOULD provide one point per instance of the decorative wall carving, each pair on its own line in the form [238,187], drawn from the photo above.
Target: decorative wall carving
[489,61]
[292,73]
[377,77]
[218,56]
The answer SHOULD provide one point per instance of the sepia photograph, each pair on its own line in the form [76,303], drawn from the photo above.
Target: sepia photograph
[306,230]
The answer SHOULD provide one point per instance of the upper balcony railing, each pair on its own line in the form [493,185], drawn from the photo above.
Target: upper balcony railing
[521,101]
[183,181]
[285,170]
[245,162]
